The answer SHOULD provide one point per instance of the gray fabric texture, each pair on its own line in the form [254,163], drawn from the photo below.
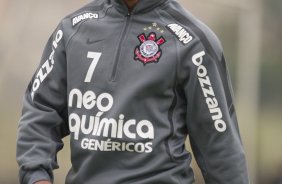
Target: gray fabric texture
[128,87]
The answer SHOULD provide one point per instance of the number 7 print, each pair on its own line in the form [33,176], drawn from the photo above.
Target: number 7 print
[95,56]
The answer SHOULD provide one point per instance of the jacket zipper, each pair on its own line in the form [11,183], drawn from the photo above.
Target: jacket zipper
[118,53]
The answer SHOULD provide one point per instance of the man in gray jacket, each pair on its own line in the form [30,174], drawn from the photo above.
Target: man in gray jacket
[128,81]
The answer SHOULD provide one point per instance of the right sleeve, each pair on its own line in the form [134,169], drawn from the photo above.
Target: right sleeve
[211,117]
[44,116]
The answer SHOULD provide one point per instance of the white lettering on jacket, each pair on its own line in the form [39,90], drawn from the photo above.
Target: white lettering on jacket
[182,34]
[211,100]
[84,16]
[47,66]
[83,126]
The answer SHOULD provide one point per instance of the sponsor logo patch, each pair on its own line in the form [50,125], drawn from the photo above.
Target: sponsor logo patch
[207,88]
[48,65]
[182,34]
[149,50]
[84,16]
[103,133]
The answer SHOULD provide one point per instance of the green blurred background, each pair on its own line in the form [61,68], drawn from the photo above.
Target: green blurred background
[251,34]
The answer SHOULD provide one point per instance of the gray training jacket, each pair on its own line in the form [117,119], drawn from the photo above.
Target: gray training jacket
[128,88]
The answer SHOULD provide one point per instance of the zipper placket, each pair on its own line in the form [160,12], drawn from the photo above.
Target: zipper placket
[118,53]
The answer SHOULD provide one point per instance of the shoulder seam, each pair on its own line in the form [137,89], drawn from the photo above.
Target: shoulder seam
[198,31]
[72,35]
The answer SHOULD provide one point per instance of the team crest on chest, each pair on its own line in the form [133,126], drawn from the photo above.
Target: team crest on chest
[149,50]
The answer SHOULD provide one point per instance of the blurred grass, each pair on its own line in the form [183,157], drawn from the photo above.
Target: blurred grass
[8,133]
[269,145]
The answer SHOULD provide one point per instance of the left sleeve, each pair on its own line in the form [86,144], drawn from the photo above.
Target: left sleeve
[211,118]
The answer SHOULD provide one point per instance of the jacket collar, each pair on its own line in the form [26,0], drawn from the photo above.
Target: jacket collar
[142,6]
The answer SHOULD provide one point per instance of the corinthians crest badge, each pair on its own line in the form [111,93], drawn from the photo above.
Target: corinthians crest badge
[149,51]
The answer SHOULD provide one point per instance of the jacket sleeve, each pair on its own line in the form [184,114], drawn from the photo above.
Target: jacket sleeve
[44,116]
[211,118]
